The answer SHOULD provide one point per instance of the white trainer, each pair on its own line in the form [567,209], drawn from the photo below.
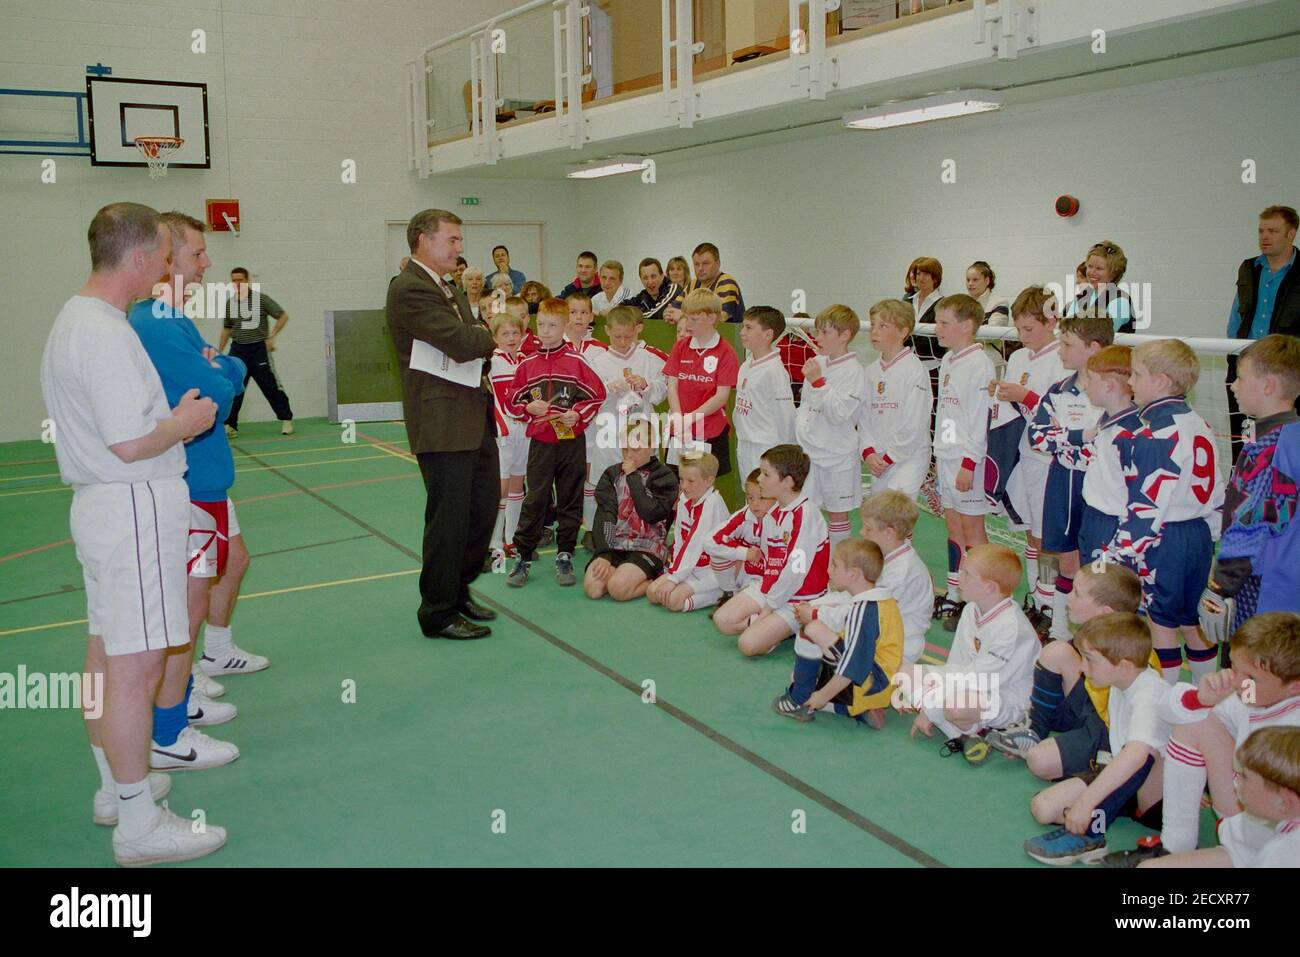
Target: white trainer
[193,751]
[236,662]
[205,685]
[106,800]
[172,839]
[203,711]
[286,428]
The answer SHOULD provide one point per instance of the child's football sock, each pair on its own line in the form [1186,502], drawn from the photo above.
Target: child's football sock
[514,503]
[1045,699]
[1184,782]
[725,573]
[1202,661]
[589,506]
[1031,567]
[807,666]
[1171,663]
[498,530]
[839,531]
[1060,614]
[954,566]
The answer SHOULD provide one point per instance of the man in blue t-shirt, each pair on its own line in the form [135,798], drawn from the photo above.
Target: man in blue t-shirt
[217,558]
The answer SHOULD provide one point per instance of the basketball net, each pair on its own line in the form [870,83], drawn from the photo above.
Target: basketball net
[156,151]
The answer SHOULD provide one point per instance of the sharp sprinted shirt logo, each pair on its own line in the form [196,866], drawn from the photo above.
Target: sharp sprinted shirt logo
[103,910]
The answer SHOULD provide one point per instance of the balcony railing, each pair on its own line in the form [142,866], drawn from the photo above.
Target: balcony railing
[548,59]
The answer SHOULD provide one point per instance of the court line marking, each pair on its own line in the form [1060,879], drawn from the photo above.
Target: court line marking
[780,774]
[260,594]
[33,551]
[263,468]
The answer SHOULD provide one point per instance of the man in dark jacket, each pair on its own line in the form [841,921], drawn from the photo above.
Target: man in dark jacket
[1268,297]
[449,425]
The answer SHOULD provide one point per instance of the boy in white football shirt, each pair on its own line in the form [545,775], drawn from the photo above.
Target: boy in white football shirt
[1115,649]
[732,544]
[826,425]
[895,423]
[989,673]
[512,442]
[1030,372]
[961,432]
[1213,717]
[795,552]
[764,412]
[1105,490]
[1267,834]
[888,519]
[688,581]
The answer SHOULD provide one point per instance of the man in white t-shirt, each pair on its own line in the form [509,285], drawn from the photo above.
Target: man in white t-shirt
[119,446]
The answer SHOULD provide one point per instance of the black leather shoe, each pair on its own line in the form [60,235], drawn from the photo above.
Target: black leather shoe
[462,630]
[476,612]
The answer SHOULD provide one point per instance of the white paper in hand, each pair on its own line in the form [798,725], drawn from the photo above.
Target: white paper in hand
[427,358]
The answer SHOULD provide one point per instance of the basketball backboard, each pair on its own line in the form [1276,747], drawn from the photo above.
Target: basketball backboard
[122,109]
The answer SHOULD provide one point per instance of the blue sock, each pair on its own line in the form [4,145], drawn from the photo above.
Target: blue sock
[1044,700]
[806,671]
[168,723]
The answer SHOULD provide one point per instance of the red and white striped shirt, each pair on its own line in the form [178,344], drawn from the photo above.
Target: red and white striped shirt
[695,520]
[502,373]
[796,553]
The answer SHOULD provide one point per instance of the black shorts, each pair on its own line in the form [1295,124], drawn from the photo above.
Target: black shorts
[1084,733]
[720,446]
[652,566]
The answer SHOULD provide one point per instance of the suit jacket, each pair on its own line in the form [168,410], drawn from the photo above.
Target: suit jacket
[441,416]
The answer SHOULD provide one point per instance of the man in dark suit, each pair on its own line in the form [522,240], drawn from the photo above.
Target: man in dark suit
[450,427]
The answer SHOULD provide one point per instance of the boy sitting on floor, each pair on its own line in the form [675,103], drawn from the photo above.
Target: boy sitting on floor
[634,504]
[845,658]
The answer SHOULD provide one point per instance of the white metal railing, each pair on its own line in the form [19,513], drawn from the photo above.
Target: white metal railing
[808,48]
[680,98]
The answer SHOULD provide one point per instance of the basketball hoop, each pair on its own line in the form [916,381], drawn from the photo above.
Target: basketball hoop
[156,151]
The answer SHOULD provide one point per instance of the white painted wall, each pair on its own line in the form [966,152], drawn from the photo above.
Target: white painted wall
[295,87]
[1156,167]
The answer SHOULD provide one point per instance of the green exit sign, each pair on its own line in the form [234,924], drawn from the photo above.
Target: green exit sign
[469,200]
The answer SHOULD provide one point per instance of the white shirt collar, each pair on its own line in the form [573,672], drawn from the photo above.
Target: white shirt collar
[442,283]
[696,344]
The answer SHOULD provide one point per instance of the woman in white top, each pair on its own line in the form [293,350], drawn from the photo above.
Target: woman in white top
[472,283]
[979,284]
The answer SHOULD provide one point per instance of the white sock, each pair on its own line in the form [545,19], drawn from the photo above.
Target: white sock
[1060,616]
[105,772]
[217,641]
[1044,595]
[954,592]
[840,531]
[589,506]
[499,527]
[514,504]
[1184,783]
[726,576]
[136,812]
[946,727]
[1200,669]
[1031,567]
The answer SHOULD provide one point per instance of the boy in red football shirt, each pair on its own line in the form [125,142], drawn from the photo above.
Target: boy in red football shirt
[701,371]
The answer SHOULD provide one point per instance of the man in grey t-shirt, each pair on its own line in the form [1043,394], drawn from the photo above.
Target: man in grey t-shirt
[119,446]
[245,327]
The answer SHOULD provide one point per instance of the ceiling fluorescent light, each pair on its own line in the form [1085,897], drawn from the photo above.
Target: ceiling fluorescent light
[610,166]
[941,107]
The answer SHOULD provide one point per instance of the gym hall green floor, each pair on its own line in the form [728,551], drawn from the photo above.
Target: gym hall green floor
[540,730]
